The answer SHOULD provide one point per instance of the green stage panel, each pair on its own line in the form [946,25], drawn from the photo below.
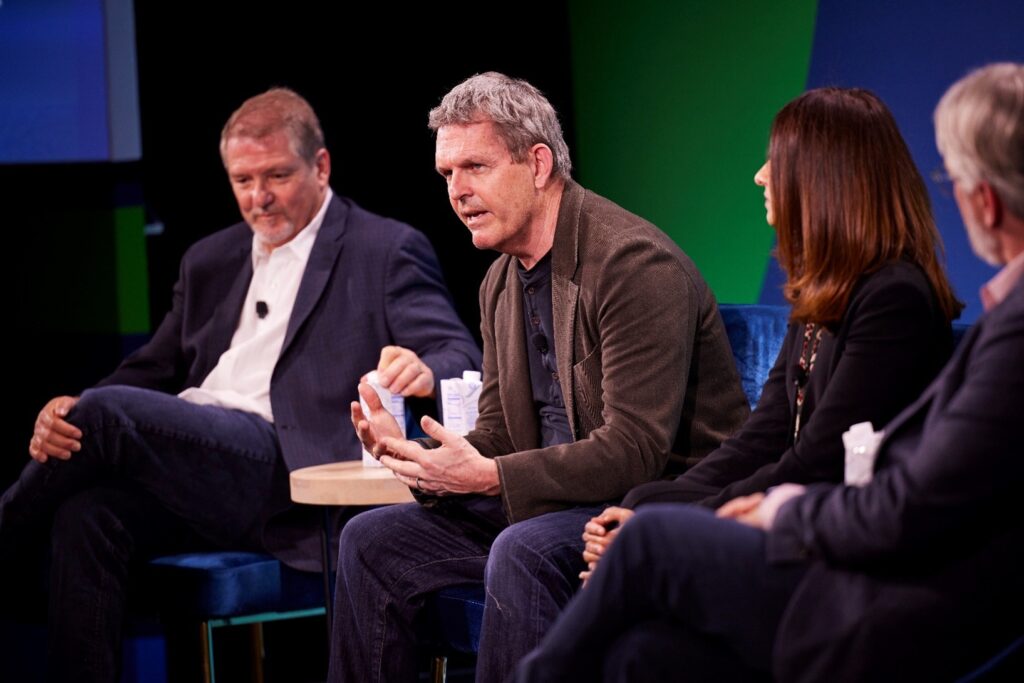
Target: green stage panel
[88,273]
[132,274]
[673,105]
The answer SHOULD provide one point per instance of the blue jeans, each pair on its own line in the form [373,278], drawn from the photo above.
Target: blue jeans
[681,595]
[392,558]
[155,474]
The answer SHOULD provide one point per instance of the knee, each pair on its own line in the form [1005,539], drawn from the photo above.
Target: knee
[102,405]
[359,538]
[513,555]
[358,531]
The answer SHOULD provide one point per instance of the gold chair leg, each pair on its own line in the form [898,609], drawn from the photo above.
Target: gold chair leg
[206,642]
[256,650]
[440,671]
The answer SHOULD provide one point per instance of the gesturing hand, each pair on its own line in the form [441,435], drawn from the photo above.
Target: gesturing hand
[378,424]
[454,467]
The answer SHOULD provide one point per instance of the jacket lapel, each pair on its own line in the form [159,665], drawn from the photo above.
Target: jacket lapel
[225,318]
[321,263]
[565,293]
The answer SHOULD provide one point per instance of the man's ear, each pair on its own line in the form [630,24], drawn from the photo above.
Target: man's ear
[542,161]
[990,206]
[322,166]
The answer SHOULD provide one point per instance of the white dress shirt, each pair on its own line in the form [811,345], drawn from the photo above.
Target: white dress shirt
[241,378]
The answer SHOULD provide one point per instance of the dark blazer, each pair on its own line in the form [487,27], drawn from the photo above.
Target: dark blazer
[369,282]
[892,340]
[919,575]
[643,361]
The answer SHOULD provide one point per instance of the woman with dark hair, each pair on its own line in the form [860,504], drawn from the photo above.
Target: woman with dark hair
[871,305]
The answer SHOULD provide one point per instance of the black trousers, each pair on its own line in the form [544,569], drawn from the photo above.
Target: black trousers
[680,595]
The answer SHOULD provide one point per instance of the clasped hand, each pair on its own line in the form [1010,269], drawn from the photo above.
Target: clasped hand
[598,535]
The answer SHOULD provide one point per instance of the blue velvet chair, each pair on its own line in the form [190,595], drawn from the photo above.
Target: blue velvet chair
[214,589]
[1005,665]
[755,335]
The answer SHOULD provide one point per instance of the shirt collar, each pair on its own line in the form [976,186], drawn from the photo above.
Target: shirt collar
[998,288]
[302,244]
[540,272]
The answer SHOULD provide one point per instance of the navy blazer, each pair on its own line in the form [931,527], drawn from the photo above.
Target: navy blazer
[891,342]
[919,576]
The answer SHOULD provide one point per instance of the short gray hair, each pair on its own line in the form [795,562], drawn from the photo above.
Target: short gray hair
[523,115]
[272,111]
[979,130]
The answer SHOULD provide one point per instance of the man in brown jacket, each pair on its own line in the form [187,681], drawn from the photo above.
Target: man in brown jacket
[606,364]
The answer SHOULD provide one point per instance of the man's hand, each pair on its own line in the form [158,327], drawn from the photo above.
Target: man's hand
[454,467]
[745,509]
[402,372]
[598,535]
[378,424]
[53,436]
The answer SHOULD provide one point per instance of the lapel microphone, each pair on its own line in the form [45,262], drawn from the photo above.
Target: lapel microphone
[262,309]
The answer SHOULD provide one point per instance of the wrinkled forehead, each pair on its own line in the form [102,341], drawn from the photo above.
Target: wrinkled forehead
[458,141]
[271,132]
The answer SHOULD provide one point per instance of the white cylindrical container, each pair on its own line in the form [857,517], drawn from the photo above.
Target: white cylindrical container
[393,403]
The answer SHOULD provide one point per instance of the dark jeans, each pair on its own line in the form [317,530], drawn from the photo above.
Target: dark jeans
[681,595]
[155,474]
[392,558]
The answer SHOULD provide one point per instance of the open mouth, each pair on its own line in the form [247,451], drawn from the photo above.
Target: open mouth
[471,218]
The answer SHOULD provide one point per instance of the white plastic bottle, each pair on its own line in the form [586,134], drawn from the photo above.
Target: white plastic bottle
[393,403]
[460,400]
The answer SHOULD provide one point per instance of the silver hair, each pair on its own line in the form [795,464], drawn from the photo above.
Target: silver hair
[523,115]
[979,130]
[272,111]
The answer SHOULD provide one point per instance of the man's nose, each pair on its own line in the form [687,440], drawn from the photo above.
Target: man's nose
[261,195]
[457,186]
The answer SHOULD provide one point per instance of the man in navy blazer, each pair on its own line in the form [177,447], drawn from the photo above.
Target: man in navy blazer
[249,376]
[916,575]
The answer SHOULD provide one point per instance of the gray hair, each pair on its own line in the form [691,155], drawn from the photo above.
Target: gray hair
[979,130]
[274,110]
[523,115]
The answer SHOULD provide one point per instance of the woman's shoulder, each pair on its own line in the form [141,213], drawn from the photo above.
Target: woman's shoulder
[895,277]
[897,294]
